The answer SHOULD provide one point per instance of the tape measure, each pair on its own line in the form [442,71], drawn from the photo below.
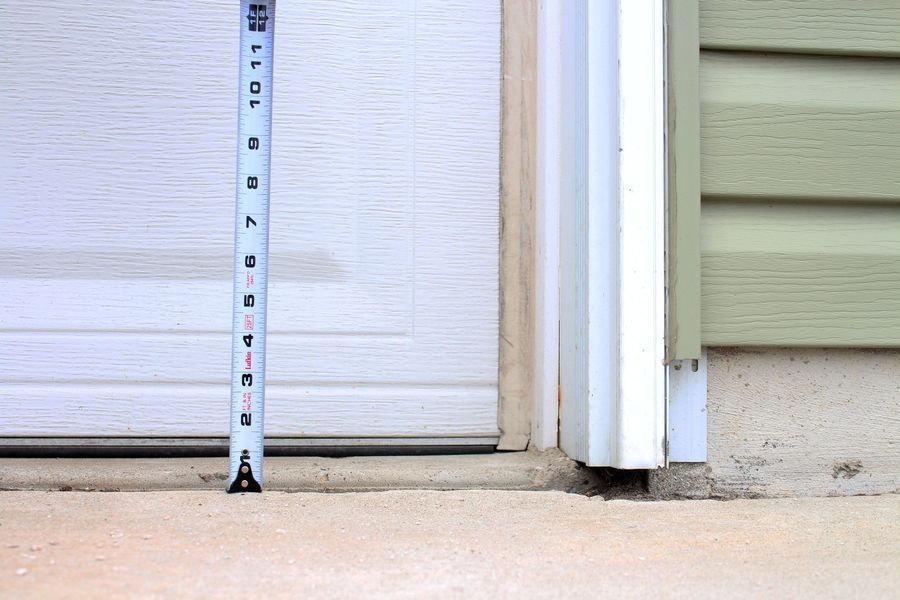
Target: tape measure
[251,246]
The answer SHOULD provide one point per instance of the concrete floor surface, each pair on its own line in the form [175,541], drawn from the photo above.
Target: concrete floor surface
[424,544]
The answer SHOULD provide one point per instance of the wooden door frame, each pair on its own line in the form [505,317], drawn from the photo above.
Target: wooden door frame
[519,283]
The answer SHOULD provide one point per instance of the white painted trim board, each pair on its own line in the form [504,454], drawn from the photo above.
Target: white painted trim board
[612,175]
[545,424]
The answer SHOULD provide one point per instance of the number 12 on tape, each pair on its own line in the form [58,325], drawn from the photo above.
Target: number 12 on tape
[251,246]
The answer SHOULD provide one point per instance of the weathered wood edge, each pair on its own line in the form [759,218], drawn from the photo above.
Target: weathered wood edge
[517,190]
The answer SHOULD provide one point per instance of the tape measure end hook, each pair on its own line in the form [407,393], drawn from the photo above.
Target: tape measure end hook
[244,482]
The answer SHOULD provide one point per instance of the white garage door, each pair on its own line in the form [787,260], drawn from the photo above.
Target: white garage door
[119,128]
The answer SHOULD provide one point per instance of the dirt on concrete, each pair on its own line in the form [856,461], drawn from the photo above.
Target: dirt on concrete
[457,544]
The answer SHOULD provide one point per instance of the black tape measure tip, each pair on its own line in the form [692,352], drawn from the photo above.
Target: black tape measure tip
[244,482]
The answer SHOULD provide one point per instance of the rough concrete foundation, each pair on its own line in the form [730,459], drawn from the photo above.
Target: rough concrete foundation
[796,422]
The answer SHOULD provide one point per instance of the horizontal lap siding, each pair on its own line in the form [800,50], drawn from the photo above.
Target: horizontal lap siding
[806,127]
[800,275]
[800,173]
[854,27]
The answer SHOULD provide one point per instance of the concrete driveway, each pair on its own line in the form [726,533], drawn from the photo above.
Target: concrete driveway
[451,544]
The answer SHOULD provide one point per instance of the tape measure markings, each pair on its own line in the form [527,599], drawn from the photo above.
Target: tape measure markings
[251,246]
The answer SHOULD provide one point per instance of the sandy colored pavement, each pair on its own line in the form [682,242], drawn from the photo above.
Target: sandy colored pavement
[424,544]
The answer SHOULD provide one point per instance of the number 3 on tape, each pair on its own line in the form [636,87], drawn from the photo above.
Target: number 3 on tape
[251,246]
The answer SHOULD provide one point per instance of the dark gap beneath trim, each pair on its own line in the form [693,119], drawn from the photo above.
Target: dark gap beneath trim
[187,451]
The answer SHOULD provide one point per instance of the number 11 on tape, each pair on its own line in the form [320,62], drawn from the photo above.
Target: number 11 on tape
[251,246]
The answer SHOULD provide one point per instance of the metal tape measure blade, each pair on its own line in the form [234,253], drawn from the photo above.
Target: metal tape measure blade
[251,246]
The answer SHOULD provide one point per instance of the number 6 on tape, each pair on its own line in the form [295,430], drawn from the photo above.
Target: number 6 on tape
[251,246]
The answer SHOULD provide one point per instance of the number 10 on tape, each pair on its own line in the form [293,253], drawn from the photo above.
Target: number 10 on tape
[251,246]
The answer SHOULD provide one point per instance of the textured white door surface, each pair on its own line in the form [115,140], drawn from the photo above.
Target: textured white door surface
[119,128]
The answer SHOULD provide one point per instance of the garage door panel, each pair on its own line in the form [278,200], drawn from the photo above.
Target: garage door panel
[197,357]
[189,305]
[97,410]
[384,237]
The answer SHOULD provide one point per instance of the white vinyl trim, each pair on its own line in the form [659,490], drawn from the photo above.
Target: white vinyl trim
[612,326]
[642,164]
[687,392]
[544,425]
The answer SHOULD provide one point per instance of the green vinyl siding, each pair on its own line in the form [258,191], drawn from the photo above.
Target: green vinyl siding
[799,107]
[795,274]
[821,128]
[855,27]
[683,115]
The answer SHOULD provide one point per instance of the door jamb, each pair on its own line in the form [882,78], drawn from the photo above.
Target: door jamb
[617,417]
[545,424]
